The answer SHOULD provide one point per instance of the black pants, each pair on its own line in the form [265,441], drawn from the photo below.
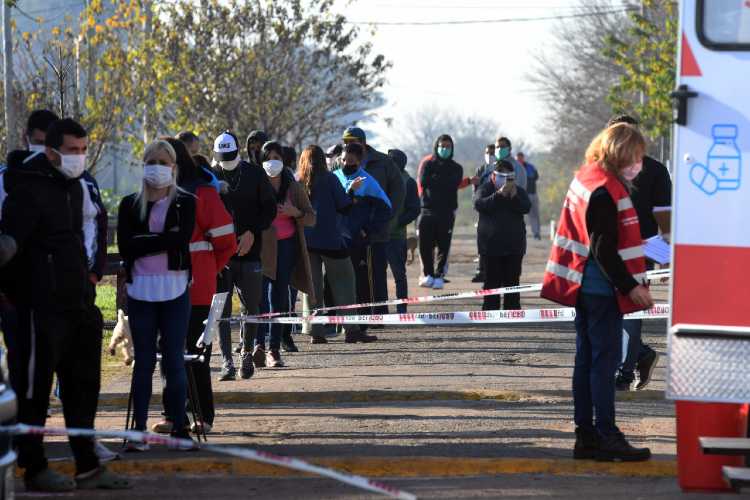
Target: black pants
[379,265]
[70,345]
[361,260]
[435,230]
[501,272]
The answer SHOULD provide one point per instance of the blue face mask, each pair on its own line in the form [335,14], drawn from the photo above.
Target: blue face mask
[502,153]
[444,153]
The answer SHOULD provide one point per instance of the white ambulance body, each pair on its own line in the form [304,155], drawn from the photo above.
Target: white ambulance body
[710,324]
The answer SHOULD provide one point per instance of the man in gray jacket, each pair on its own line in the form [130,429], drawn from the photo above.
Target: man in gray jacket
[388,175]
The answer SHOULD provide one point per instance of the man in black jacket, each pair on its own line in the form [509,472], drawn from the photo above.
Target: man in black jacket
[60,328]
[250,199]
[388,175]
[440,178]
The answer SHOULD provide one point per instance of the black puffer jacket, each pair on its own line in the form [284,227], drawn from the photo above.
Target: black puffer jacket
[136,240]
[43,213]
[440,180]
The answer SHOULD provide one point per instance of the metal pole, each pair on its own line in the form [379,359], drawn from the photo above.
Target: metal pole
[11,118]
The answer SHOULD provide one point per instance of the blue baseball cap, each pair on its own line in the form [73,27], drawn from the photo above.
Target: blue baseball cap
[354,133]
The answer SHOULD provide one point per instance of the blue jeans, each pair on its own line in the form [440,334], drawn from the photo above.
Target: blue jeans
[396,252]
[598,353]
[165,323]
[275,297]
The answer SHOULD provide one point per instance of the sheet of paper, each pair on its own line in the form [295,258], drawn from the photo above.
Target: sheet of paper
[657,250]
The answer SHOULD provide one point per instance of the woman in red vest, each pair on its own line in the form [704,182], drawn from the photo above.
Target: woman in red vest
[597,265]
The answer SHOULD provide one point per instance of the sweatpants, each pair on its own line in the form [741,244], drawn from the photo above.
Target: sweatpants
[247,278]
[68,344]
[397,263]
[435,230]
[339,274]
[362,263]
[501,272]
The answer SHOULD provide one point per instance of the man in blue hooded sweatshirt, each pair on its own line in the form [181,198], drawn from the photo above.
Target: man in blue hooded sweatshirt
[370,213]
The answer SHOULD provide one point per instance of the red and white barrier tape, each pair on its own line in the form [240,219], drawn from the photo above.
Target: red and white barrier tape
[659,311]
[650,276]
[360,482]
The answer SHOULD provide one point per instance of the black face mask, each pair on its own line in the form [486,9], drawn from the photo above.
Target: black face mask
[350,169]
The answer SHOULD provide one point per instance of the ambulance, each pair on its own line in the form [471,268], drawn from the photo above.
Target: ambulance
[709,337]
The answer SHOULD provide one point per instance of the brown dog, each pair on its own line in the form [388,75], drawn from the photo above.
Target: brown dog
[412,242]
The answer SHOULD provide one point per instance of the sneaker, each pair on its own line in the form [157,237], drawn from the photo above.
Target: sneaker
[105,454]
[273,359]
[287,343]
[478,278]
[184,435]
[645,369]
[246,368]
[49,481]
[587,443]
[102,479]
[227,373]
[317,339]
[135,446]
[163,427]
[259,357]
[354,337]
[438,283]
[615,448]
[201,428]
[426,281]
[623,383]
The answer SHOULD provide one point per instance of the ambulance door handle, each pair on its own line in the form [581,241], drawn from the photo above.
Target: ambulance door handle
[680,97]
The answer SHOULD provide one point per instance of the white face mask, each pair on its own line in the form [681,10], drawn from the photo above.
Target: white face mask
[158,176]
[35,148]
[230,164]
[631,172]
[273,168]
[72,166]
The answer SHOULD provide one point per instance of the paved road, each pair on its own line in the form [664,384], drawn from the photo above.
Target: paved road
[453,392]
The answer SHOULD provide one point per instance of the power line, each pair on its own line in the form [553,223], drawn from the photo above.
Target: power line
[494,21]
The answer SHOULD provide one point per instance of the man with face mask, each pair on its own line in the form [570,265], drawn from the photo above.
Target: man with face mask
[503,150]
[250,199]
[651,193]
[59,327]
[482,173]
[254,144]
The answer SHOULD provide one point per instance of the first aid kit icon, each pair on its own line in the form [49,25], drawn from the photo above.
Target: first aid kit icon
[723,171]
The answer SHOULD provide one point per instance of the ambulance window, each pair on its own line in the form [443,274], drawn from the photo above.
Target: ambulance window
[724,24]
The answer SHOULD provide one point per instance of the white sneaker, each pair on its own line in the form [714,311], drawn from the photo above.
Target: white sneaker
[426,282]
[135,446]
[438,283]
[105,454]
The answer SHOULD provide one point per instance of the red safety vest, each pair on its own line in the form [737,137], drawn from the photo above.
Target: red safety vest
[570,250]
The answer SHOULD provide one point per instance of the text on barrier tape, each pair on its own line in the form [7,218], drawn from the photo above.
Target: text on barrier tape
[659,311]
[650,276]
[234,451]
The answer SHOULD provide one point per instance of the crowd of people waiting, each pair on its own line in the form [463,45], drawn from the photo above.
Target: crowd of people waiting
[267,227]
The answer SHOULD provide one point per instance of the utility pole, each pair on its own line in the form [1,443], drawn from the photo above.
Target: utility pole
[11,119]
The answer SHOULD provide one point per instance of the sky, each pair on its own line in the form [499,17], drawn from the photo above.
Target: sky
[478,69]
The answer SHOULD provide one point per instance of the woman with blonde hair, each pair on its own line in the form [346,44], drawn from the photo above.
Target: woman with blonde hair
[597,265]
[154,228]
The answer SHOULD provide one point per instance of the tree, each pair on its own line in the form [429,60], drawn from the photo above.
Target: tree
[646,55]
[291,68]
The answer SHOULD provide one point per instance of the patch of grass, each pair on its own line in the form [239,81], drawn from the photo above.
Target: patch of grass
[106,300]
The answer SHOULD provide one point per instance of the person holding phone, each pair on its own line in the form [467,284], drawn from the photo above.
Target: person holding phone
[501,233]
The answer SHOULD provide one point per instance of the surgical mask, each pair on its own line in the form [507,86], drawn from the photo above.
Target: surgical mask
[444,153]
[72,166]
[489,159]
[631,172]
[35,148]
[273,168]
[502,153]
[230,164]
[158,176]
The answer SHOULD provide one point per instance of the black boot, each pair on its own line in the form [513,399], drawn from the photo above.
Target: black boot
[354,337]
[615,448]
[287,342]
[587,443]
